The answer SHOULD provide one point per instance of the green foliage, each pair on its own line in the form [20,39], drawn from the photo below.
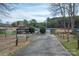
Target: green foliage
[58,22]
[52,22]
[33,22]
[77,22]
[31,29]
[2,32]
[19,22]
[14,24]
[42,30]
[71,46]
[41,24]
[25,22]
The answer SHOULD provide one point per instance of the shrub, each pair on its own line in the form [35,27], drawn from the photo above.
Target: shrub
[42,30]
[31,29]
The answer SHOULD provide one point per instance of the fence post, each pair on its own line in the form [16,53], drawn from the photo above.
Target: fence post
[5,33]
[16,38]
[26,37]
[77,34]
[78,43]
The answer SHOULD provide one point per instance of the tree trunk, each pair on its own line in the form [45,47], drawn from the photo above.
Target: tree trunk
[68,33]
[72,16]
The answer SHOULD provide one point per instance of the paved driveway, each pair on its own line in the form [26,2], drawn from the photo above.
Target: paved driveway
[44,45]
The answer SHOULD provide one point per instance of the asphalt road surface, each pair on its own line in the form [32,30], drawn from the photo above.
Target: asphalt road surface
[44,45]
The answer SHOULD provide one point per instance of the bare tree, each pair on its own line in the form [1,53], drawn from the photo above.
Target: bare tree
[65,9]
[5,8]
[59,9]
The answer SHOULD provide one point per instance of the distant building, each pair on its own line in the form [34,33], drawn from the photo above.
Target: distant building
[4,26]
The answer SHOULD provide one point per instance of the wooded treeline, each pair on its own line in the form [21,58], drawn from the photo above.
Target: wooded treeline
[57,22]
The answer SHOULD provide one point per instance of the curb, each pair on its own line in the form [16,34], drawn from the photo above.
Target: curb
[62,45]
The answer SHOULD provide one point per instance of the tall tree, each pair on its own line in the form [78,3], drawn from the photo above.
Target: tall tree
[57,9]
[33,22]
[65,9]
[25,23]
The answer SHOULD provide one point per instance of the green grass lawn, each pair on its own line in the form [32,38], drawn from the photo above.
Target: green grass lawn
[8,33]
[70,46]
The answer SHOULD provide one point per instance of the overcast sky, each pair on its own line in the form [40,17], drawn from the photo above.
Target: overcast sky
[29,11]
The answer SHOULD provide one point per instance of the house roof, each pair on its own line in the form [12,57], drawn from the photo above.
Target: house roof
[5,25]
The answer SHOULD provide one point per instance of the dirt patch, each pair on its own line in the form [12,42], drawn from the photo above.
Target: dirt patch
[13,48]
[8,45]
